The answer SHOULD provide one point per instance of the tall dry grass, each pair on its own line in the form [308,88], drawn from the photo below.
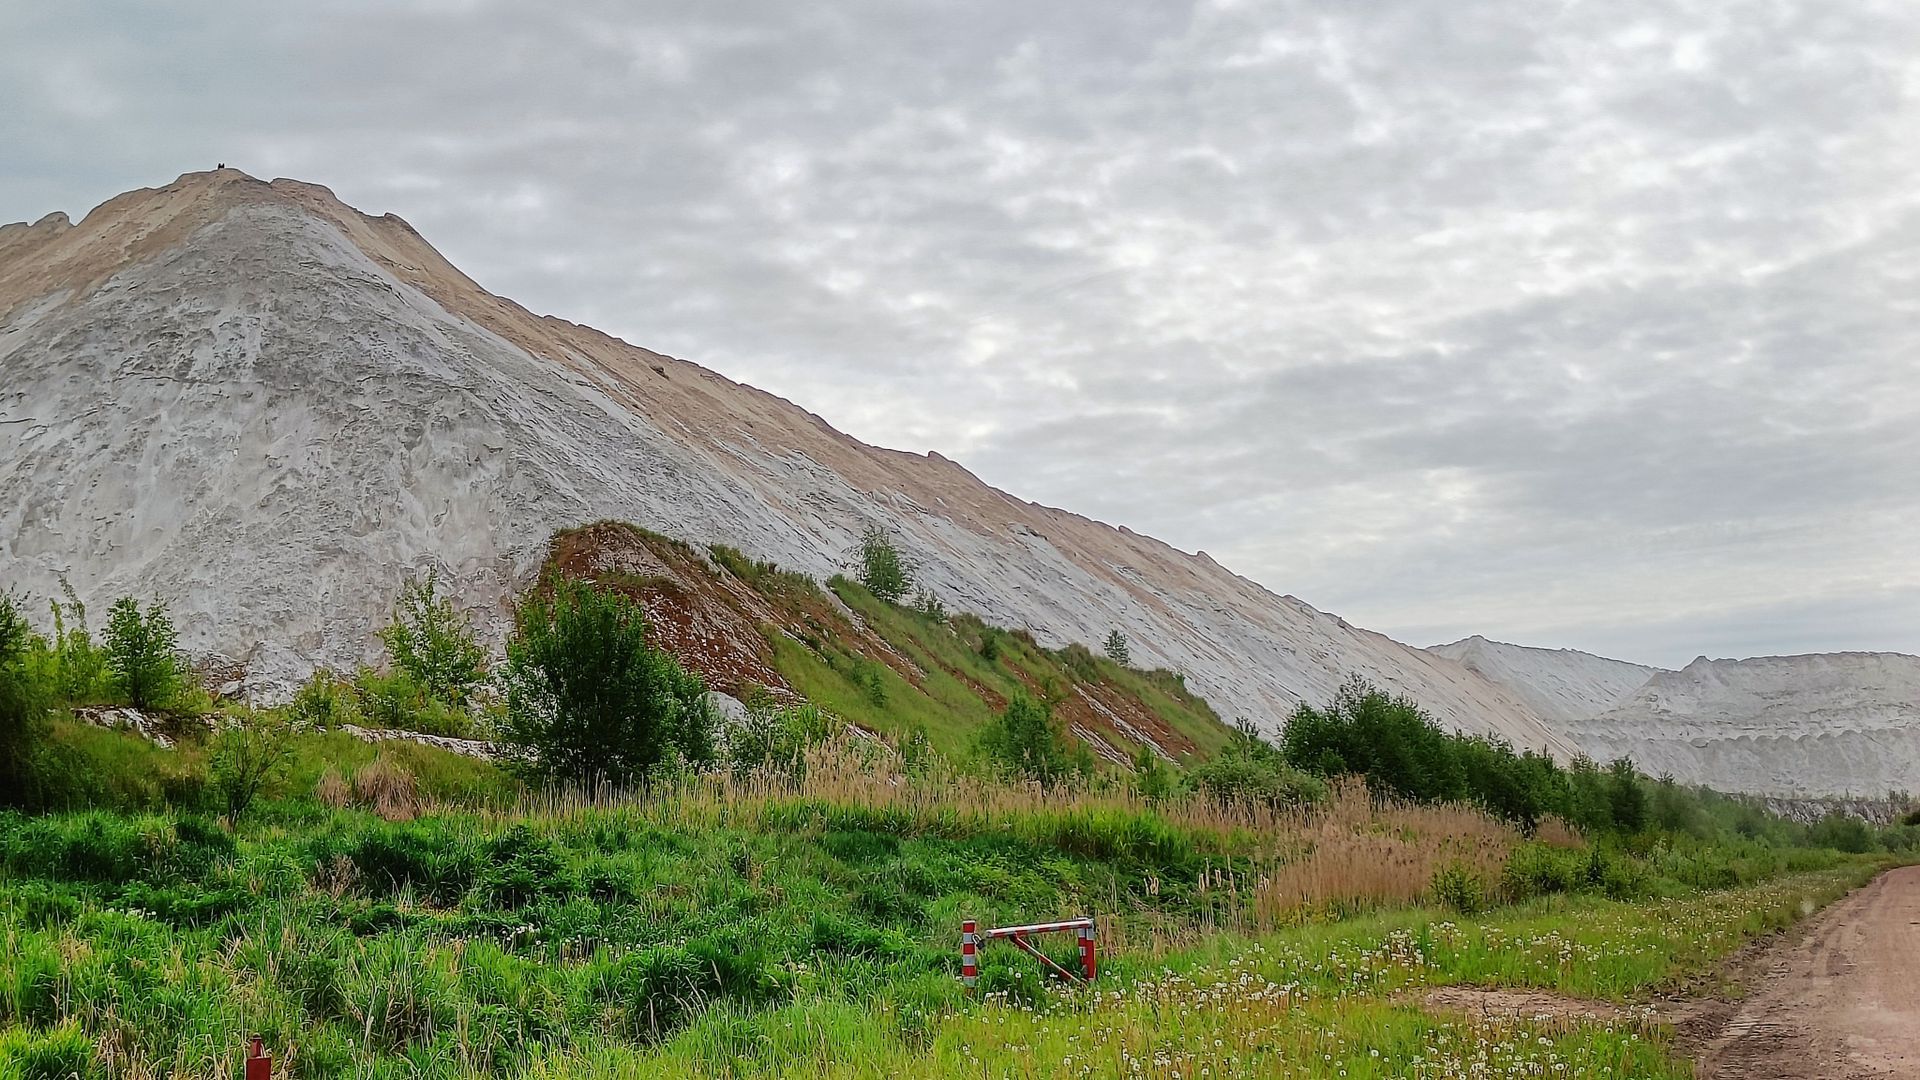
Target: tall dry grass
[1276,864]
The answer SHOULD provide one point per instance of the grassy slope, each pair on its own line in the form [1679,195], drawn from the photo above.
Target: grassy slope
[886,667]
[951,690]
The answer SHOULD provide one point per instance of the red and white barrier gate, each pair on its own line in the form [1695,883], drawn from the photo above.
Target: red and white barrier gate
[971,938]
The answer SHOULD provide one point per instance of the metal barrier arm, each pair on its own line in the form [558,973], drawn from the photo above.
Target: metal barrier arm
[1020,942]
[1040,928]
[971,938]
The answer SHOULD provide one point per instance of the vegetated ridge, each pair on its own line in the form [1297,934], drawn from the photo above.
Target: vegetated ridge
[268,410]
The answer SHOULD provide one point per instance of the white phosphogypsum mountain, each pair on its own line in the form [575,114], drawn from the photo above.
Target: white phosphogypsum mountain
[1562,686]
[268,409]
[1830,724]
[1844,724]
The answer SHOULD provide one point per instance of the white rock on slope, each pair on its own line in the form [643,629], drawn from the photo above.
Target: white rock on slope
[267,409]
[1840,724]
[1562,686]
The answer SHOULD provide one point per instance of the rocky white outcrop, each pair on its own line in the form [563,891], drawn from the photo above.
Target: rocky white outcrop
[267,409]
[1562,686]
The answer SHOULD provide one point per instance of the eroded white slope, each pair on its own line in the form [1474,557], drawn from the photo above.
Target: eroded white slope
[267,409]
[1562,686]
[1825,724]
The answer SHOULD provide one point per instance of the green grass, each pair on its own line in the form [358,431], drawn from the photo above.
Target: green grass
[1321,1001]
[775,934]
[955,691]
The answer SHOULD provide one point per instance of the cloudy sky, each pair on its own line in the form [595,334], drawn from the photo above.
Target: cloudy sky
[1583,324]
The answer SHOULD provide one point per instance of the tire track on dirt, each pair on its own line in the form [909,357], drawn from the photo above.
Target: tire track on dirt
[1840,1002]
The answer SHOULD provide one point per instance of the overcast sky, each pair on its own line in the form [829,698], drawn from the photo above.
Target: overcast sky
[1584,324]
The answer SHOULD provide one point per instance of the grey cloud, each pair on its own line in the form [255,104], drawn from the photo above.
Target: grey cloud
[1586,323]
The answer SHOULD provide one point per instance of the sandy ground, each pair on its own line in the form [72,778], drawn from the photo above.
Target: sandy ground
[1841,1001]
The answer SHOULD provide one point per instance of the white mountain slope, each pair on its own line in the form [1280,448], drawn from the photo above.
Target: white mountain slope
[1563,686]
[266,408]
[1826,724]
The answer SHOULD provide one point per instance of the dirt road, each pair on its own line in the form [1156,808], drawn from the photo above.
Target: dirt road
[1840,1003]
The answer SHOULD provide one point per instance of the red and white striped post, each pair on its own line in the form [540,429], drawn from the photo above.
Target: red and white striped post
[1086,951]
[969,955]
[259,1062]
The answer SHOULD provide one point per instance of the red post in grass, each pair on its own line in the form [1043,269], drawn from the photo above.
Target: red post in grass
[259,1062]
[1086,951]
[969,955]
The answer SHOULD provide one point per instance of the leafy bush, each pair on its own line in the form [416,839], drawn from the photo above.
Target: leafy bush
[929,606]
[883,570]
[143,654]
[25,698]
[990,643]
[1249,770]
[1538,870]
[774,737]
[1388,740]
[244,758]
[323,702]
[80,669]
[1458,887]
[1842,832]
[391,699]
[1116,649]
[588,697]
[432,642]
[1153,781]
[1024,742]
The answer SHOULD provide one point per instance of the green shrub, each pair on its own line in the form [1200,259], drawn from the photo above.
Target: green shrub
[1024,742]
[143,655]
[25,698]
[391,699]
[245,757]
[1457,887]
[1249,770]
[990,643]
[80,669]
[1153,780]
[589,698]
[774,737]
[432,642]
[1116,649]
[1538,870]
[1842,832]
[883,570]
[324,702]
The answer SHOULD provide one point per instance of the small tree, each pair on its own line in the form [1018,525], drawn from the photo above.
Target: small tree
[143,655]
[1116,647]
[1249,770]
[883,570]
[588,698]
[434,644]
[24,699]
[80,671]
[244,758]
[1152,780]
[1023,742]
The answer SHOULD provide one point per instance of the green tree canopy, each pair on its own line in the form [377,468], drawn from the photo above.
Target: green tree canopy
[143,655]
[589,699]
[433,644]
[883,570]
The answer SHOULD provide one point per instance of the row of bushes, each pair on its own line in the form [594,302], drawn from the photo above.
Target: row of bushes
[1403,752]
